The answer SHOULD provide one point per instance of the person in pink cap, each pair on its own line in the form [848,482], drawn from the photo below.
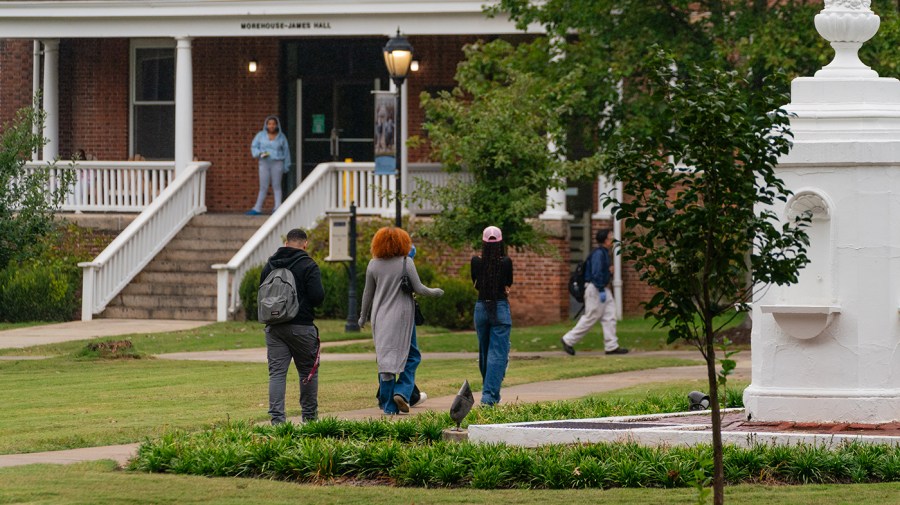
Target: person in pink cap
[492,273]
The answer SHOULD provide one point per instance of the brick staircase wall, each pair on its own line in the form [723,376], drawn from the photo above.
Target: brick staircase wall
[179,282]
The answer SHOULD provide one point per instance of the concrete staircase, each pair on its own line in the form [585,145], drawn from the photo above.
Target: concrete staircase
[179,283]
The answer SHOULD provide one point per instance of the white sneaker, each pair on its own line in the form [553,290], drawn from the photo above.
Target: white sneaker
[422,397]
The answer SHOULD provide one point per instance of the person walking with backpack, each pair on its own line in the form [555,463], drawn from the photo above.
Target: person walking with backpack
[296,337]
[598,300]
[392,310]
[492,274]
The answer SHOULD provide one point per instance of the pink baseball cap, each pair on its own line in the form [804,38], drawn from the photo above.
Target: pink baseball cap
[492,234]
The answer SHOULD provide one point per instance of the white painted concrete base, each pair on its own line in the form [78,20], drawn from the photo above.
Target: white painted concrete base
[823,405]
[671,435]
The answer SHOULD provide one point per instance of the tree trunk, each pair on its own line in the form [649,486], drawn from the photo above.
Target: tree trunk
[718,468]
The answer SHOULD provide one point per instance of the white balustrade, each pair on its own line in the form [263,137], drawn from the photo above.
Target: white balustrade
[330,187]
[170,210]
[110,186]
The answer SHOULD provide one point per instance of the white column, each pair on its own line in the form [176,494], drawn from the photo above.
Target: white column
[184,105]
[36,87]
[556,199]
[51,98]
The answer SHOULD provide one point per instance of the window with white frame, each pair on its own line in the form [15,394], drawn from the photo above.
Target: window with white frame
[153,99]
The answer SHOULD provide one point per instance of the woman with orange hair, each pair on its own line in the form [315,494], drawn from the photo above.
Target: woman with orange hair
[393,316]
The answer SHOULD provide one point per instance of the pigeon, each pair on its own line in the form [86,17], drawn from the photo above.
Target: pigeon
[462,404]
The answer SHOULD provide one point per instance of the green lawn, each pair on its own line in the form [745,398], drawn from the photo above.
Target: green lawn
[62,403]
[213,337]
[13,326]
[100,483]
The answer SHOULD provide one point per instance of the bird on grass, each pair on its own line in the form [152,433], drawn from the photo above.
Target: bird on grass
[462,404]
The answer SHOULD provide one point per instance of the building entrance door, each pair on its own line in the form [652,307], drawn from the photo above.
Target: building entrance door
[330,99]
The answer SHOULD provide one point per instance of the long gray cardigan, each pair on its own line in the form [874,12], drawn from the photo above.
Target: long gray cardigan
[393,311]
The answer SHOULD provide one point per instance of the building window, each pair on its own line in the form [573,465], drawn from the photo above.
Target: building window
[153,100]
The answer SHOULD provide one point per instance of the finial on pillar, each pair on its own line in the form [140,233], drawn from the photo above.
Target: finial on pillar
[847,24]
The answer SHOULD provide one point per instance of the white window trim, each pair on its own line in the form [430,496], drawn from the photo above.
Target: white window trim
[162,43]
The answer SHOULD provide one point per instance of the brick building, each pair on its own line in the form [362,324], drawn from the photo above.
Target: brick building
[184,81]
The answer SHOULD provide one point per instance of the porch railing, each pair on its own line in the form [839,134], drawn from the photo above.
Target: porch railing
[330,187]
[183,198]
[110,186]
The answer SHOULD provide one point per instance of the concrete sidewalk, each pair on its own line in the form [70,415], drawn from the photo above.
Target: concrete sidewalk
[83,330]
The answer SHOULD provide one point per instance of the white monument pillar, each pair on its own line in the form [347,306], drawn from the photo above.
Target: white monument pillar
[51,99]
[184,105]
[827,349]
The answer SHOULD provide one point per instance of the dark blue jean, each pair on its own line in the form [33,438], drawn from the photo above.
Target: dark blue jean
[403,384]
[493,348]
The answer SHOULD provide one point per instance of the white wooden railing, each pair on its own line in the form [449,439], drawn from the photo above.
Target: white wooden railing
[110,186]
[330,187]
[129,253]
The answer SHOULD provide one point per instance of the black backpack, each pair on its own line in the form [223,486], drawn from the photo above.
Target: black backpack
[576,280]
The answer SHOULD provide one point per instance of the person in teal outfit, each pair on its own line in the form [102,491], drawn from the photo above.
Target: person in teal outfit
[270,147]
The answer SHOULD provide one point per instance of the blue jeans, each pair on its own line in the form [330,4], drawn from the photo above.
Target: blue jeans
[403,384]
[493,348]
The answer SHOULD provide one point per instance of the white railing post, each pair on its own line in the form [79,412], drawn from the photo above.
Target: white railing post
[222,277]
[87,290]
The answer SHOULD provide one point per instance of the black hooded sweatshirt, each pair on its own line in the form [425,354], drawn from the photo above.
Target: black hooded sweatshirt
[307,277]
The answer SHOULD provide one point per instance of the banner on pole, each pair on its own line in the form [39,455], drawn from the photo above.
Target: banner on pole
[385,129]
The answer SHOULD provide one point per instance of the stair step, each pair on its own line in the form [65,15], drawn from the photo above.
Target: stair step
[197,265]
[228,220]
[212,256]
[166,301]
[177,278]
[217,233]
[157,289]
[184,244]
[161,313]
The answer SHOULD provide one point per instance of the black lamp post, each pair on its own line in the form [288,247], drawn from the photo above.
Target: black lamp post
[398,55]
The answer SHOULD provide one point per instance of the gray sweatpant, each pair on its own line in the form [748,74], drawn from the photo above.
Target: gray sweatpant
[300,343]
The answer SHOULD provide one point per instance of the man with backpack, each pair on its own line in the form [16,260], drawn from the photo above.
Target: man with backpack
[598,300]
[290,287]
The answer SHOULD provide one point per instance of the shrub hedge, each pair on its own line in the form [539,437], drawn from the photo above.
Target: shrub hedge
[40,290]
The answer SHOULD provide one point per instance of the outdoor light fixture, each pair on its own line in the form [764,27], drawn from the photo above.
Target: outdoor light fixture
[699,401]
[414,66]
[252,66]
[398,53]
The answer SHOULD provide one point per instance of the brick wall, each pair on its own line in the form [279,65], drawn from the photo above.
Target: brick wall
[16,67]
[230,105]
[539,293]
[93,98]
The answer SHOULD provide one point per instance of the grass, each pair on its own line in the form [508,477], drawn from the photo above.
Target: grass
[100,483]
[62,403]
[213,337]
[13,326]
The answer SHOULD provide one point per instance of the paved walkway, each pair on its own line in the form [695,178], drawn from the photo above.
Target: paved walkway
[525,393]
[83,330]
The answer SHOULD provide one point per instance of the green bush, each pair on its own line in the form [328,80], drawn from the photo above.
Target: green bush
[248,291]
[335,281]
[41,290]
[455,310]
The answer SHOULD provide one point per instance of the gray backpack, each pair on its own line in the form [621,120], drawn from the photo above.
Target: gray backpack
[277,296]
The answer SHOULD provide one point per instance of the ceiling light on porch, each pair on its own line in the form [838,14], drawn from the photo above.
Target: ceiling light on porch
[398,57]
[252,66]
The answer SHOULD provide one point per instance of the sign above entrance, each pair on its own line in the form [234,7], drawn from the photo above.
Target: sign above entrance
[286,25]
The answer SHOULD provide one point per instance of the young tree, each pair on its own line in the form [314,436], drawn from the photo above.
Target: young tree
[694,219]
[27,204]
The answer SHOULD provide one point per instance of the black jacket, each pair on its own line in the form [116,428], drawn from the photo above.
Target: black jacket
[307,277]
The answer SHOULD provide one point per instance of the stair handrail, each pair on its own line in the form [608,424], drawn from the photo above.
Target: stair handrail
[127,255]
[330,187]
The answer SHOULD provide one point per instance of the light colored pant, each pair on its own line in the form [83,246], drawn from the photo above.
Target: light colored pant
[595,310]
[270,172]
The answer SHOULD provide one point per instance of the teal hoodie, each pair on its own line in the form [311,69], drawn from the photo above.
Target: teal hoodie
[278,149]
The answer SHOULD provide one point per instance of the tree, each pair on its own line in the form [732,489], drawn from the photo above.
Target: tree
[497,126]
[27,204]
[694,181]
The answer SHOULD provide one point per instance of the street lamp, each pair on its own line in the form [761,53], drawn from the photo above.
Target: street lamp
[398,55]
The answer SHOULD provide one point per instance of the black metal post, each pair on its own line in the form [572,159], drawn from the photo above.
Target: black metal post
[352,316]
[398,221]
